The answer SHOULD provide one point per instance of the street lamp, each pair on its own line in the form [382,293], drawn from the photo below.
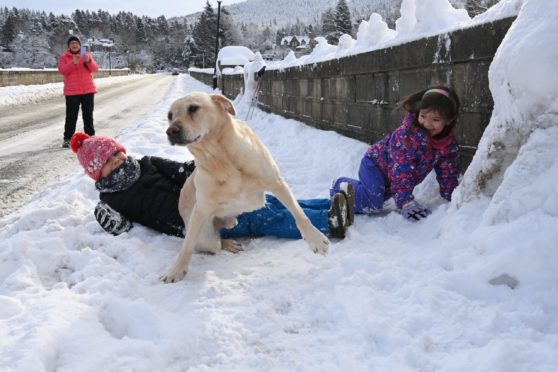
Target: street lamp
[216,44]
[110,64]
[128,60]
[108,44]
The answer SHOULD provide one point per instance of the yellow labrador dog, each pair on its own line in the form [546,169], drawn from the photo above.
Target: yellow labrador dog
[233,169]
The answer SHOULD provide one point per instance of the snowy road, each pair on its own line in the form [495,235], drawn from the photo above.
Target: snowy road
[31,134]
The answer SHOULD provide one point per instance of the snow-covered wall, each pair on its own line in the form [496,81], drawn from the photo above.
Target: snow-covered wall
[357,95]
[13,77]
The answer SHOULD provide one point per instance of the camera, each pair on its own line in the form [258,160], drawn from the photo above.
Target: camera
[83,50]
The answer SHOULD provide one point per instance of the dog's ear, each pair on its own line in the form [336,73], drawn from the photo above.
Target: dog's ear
[224,102]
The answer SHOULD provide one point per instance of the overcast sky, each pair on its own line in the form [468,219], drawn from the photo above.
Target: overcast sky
[151,8]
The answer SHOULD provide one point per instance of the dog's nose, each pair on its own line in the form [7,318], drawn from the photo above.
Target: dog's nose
[174,134]
[173,129]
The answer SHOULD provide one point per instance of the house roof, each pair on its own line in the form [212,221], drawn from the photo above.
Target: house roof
[300,38]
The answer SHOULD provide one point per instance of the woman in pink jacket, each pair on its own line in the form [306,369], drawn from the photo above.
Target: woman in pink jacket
[79,87]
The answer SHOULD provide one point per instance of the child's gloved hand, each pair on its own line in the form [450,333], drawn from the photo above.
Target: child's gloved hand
[110,220]
[413,211]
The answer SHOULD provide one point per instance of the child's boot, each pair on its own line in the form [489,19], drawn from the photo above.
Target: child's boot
[349,191]
[337,217]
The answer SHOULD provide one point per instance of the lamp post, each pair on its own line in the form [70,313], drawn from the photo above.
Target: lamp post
[216,44]
[110,64]
[128,60]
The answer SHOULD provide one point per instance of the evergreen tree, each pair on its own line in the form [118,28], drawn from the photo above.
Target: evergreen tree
[36,27]
[229,32]
[51,22]
[162,25]
[267,40]
[476,7]
[80,18]
[267,33]
[204,33]
[9,30]
[281,33]
[329,30]
[140,31]
[343,23]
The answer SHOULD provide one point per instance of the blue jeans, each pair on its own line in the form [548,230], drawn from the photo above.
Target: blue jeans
[370,189]
[275,220]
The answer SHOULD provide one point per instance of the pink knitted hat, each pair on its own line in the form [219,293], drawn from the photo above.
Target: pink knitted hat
[94,151]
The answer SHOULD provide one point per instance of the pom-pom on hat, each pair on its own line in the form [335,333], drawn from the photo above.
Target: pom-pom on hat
[94,151]
[73,38]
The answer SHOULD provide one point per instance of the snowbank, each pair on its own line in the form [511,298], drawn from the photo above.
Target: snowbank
[419,19]
[524,85]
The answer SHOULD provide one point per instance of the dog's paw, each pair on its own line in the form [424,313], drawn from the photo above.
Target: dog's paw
[173,276]
[318,242]
[231,245]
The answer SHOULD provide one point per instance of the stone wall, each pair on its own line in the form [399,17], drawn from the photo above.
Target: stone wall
[206,78]
[35,77]
[357,96]
[230,85]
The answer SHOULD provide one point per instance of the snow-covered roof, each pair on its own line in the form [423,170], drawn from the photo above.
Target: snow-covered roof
[103,42]
[286,39]
[301,39]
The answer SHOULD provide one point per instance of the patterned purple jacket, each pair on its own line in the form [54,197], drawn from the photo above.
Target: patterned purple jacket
[408,154]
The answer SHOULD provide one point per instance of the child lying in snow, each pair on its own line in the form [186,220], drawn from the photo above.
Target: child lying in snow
[146,191]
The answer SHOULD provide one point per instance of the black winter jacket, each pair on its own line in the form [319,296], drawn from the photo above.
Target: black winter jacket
[153,199]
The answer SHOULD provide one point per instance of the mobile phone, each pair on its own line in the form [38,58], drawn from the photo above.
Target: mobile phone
[83,50]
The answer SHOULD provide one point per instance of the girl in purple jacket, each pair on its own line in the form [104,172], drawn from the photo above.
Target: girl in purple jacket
[393,166]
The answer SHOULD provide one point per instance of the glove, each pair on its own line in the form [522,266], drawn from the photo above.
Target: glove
[110,220]
[414,212]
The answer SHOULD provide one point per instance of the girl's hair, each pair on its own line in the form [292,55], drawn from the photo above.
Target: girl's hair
[439,98]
